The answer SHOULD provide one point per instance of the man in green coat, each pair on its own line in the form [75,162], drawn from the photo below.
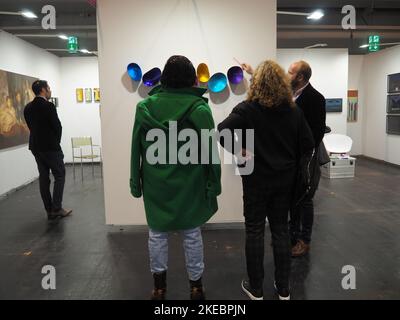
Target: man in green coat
[178,194]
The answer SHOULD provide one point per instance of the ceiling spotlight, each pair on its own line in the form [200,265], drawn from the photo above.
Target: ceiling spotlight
[317,45]
[316,15]
[63,36]
[28,14]
[84,51]
[381,44]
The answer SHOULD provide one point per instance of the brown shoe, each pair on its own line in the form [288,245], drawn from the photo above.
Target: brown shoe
[196,290]
[62,213]
[197,293]
[300,249]
[158,294]
[160,286]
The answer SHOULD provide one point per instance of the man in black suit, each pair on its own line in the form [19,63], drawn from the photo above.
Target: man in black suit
[313,105]
[44,143]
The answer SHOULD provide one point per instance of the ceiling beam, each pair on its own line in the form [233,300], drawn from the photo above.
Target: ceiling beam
[59,27]
[334,27]
[45,35]
[308,34]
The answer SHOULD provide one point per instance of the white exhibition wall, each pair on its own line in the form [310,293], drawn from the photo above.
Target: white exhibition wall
[330,77]
[17,164]
[356,82]
[203,30]
[376,143]
[78,118]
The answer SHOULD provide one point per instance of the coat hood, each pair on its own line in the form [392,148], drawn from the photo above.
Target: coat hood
[165,104]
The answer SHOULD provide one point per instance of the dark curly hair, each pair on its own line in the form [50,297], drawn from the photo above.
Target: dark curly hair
[178,73]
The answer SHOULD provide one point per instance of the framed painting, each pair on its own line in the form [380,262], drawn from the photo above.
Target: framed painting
[88,95]
[352,110]
[334,105]
[393,104]
[54,101]
[79,95]
[96,93]
[15,94]
[394,83]
[393,124]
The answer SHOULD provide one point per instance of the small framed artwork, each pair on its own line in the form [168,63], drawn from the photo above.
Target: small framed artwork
[352,110]
[96,94]
[54,101]
[334,105]
[393,124]
[79,95]
[88,95]
[393,103]
[394,83]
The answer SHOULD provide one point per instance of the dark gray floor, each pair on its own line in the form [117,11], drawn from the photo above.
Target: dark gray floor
[357,223]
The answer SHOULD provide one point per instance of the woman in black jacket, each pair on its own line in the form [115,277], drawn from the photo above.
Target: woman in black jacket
[281,138]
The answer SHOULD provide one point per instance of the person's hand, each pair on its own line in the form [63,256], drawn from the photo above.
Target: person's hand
[244,156]
[247,155]
[246,67]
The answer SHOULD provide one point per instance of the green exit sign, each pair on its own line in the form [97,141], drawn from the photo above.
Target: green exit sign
[374,43]
[72,44]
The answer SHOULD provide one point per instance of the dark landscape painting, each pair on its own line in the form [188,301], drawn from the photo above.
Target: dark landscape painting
[15,93]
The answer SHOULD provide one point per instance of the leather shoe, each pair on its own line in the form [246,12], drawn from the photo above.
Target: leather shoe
[300,249]
[62,213]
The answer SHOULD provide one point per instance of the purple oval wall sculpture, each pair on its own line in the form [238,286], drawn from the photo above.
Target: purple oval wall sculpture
[152,77]
[235,75]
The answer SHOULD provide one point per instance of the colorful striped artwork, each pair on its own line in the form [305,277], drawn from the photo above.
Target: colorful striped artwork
[352,110]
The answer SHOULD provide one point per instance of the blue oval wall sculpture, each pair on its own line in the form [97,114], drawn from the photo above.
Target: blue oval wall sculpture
[152,77]
[235,75]
[217,82]
[134,71]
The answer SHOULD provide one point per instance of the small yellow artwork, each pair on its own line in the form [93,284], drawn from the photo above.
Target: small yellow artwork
[96,92]
[79,95]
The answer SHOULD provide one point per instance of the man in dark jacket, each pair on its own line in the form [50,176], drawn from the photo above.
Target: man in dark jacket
[44,143]
[313,105]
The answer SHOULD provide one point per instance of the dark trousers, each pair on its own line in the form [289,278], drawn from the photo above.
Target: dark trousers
[302,215]
[301,222]
[272,203]
[54,161]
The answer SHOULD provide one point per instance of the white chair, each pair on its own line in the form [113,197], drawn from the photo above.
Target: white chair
[85,146]
[338,143]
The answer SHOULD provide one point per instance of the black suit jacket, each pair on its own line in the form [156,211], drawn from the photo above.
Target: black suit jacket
[44,125]
[313,105]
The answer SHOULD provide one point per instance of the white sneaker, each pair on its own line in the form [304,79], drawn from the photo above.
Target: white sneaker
[252,294]
[284,295]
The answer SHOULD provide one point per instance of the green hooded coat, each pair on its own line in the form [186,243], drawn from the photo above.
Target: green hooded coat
[176,196]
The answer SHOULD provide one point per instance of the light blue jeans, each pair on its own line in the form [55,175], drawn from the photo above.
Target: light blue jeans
[192,244]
